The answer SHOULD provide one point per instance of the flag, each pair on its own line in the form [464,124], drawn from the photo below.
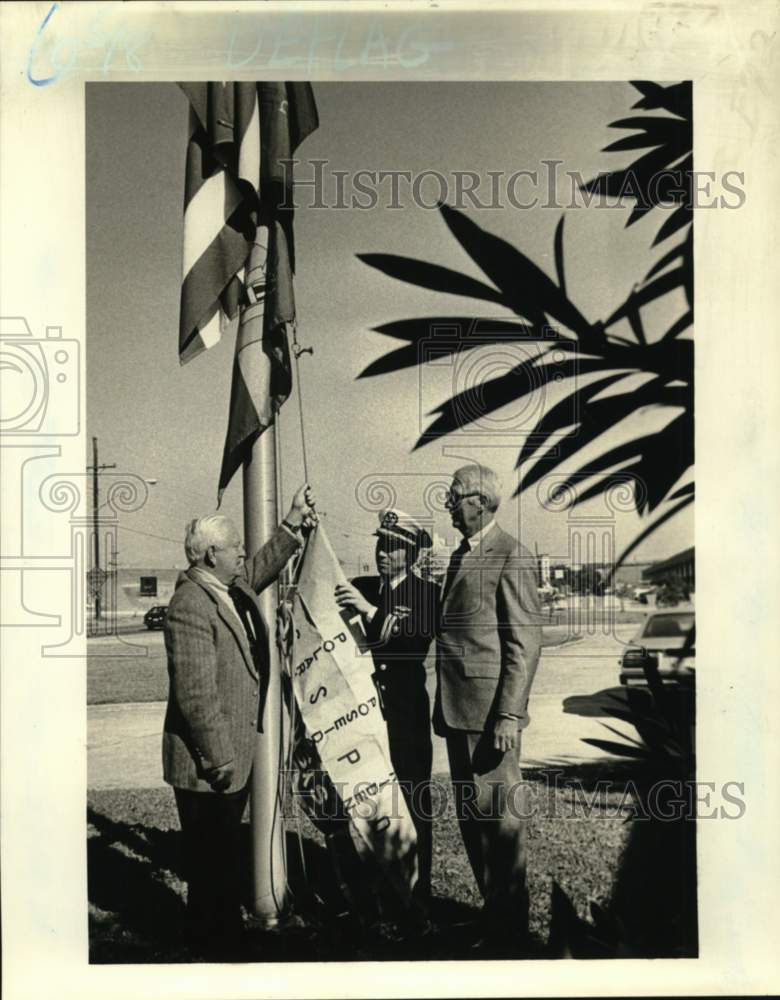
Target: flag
[262,378]
[332,680]
[220,207]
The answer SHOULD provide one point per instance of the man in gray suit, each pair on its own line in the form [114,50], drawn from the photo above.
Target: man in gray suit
[217,646]
[487,652]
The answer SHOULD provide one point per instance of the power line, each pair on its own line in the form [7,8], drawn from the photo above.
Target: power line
[173,480]
[149,534]
[96,469]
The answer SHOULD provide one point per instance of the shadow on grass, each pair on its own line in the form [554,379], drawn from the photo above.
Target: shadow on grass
[135,891]
[608,775]
[600,704]
[137,894]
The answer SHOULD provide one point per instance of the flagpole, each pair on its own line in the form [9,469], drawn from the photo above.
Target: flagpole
[269,861]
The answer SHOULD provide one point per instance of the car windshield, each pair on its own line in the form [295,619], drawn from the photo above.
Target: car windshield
[680,623]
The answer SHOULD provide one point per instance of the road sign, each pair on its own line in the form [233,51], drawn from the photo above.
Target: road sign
[96,580]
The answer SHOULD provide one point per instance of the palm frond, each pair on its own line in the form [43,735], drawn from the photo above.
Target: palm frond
[480,401]
[654,462]
[437,337]
[431,276]
[559,268]
[524,285]
[649,530]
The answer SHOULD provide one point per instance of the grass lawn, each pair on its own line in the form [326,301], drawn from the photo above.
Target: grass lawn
[120,680]
[136,892]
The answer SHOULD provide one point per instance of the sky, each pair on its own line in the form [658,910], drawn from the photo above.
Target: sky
[162,421]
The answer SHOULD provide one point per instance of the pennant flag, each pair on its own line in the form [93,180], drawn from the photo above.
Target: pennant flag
[332,680]
[262,378]
[220,207]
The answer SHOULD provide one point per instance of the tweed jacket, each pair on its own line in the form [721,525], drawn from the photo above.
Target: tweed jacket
[489,636]
[216,687]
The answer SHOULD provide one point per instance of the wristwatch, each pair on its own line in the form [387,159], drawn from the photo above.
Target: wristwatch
[294,528]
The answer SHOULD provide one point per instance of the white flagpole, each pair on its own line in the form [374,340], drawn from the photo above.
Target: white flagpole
[269,861]
[261,516]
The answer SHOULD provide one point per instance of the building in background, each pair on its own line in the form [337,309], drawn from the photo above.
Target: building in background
[130,592]
[631,574]
[679,568]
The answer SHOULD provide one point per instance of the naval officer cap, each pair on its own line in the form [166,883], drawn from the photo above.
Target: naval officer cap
[402,527]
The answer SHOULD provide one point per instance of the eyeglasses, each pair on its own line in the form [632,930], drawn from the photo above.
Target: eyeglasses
[455,499]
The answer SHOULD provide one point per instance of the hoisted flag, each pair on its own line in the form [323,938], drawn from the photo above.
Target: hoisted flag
[262,378]
[220,207]
[239,255]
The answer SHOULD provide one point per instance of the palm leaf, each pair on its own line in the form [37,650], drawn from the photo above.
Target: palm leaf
[478,330]
[431,276]
[680,250]
[479,401]
[598,416]
[634,317]
[525,286]
[648,293]
[649,530]
[619,749]
[680,217]
[657,465]
[657,460]
[676,98]
[623,736]
[683,491]
[559,269]
[564,413]
[639,141]
[639,174]
[670,143]
[679,326]
[425,343]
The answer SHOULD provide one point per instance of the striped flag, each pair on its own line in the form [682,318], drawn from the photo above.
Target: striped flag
[220,207]
[262,378]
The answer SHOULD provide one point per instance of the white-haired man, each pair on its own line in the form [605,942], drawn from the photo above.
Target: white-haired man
[487,651]
[217,647]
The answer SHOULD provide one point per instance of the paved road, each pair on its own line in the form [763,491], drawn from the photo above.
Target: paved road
[124,740]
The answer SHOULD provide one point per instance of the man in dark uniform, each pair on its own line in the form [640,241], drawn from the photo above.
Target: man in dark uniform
[398,609]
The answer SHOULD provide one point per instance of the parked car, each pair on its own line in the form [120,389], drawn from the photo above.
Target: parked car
[155,617]
[666,641]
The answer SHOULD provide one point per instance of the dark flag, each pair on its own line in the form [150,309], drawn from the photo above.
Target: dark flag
[262,378]
[220,208]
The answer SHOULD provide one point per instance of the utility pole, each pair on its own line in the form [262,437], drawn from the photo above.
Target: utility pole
[96,469]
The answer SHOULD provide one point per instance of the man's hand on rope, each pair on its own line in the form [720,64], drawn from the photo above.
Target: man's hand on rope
[302,515]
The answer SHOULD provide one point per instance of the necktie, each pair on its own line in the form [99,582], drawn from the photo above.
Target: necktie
[455,561]
[239,603]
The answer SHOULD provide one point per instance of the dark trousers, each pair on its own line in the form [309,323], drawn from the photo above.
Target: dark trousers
[211,839]
[492,807]
[411,753]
